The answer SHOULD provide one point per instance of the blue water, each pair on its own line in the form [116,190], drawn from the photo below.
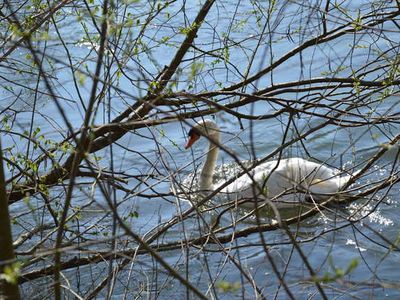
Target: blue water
[328,240]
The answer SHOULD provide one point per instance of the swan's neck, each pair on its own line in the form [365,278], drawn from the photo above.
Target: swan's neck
[207,173]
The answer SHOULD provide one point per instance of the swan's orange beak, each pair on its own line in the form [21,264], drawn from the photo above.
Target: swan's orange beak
[192,139]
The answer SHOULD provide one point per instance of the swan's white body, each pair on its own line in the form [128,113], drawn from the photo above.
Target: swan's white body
[287,180]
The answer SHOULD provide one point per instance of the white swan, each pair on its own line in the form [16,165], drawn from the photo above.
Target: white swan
[287,180]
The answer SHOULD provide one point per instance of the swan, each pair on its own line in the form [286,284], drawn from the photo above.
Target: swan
[289,180]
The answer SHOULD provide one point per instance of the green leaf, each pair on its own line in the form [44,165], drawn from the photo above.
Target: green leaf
[352,266]
[226,286]
[81,78]
[133,214]
[12,272]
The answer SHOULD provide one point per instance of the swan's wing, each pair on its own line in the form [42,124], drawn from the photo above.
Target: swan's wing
[308,177]
[286,177]
[319,180]
[269,176]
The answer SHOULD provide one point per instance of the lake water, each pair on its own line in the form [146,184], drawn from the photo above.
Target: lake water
[149,158]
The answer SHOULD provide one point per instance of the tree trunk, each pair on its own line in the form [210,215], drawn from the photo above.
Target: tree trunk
[8,290]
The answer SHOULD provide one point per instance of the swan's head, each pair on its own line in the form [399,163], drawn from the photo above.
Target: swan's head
[206,128]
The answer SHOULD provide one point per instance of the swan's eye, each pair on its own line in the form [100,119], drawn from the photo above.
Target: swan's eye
[193,137]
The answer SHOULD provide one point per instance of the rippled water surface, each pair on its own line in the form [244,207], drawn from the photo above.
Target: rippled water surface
[355,236]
